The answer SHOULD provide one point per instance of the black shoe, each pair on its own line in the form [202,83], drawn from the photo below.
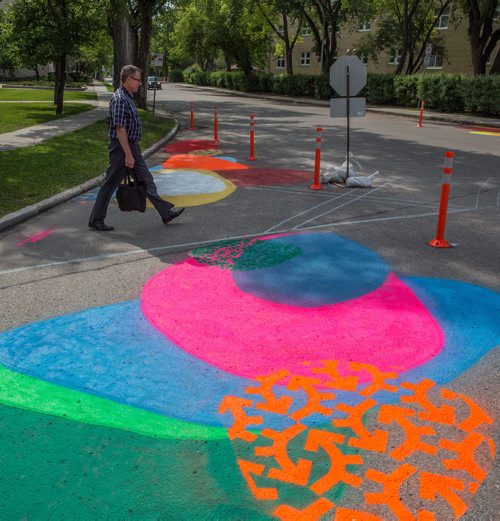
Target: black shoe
[172,214]
[100,227]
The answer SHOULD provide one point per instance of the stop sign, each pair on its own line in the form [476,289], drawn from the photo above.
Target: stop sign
[357,75]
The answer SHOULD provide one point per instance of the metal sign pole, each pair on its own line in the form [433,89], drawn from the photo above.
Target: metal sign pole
[348,79]
[154,97]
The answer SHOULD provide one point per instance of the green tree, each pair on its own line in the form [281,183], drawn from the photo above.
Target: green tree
[90,58]
[193,38]
[483,39]
[45,31]
[8,55]
[325,18]
[405,28]
[234,29]
[131,26]
[240,32]
[286,21]
[163,40]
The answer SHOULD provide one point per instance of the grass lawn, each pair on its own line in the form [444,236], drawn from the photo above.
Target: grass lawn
[43,95]
[29,175]
[19,115]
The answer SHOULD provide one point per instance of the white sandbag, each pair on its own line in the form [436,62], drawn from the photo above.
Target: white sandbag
[333,174]
[360,182]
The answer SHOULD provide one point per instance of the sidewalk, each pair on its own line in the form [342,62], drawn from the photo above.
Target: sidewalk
[29,136]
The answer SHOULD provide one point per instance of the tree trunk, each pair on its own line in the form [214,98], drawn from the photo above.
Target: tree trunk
[146,20]
[495,67]
[289,59]
[59,84]
[474,30]
[124,39]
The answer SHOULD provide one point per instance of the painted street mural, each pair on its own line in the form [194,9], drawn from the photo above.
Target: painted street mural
[292,377]
[197,172]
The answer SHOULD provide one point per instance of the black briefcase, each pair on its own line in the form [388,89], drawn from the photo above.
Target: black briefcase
[130,194]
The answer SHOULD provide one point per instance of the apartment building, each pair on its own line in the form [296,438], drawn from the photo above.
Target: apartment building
[456,57]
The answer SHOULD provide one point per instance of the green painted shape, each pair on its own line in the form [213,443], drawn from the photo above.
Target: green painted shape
[265,254]
[295,495]
[26,392]
[53,468]
[245,255]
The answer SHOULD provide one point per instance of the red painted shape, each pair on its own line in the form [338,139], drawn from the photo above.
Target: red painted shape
[203,162]
[265,176]
[483,129]
[189,145]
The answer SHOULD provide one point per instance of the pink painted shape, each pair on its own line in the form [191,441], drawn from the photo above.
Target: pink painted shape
[37,236]
[203,311]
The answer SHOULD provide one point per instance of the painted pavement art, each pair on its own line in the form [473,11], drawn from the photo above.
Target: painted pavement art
[197,172]
[255,379]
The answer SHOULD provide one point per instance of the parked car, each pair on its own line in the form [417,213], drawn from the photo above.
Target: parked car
[154,82]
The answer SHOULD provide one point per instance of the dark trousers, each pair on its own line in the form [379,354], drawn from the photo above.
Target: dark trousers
[114,175]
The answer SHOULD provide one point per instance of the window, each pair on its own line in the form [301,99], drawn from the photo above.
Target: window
[280,62]
[306,31]
[444,19]
[305,59]
[364,27]
[281,29]
[394,57]
[435,62]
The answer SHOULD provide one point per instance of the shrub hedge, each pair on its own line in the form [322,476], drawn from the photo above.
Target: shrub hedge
[442,92]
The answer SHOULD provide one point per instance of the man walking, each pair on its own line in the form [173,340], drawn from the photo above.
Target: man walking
[124,128]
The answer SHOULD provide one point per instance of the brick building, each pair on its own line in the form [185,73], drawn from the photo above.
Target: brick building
[455,59]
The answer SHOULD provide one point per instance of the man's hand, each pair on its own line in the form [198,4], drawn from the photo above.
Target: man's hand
[122,138]
[129,161]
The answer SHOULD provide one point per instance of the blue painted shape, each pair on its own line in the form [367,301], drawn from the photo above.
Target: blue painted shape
[227,158]
[87,196]
[331,269]
[114,352]
[470,319]
[186,182]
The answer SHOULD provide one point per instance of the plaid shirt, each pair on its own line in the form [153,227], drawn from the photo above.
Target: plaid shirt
[122,112]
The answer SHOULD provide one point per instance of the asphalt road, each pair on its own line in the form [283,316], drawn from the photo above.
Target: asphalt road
[72,268]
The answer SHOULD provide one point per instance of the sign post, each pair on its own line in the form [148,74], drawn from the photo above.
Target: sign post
[427,57]
[156,61]
[347,77]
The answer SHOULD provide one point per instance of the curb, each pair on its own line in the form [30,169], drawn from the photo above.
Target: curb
[14,218]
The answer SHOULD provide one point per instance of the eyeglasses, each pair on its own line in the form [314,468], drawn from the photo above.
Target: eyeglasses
[136,79]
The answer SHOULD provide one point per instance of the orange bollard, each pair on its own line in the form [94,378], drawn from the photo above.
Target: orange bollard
[251,157]
[439,241]
[419,124]
[191,126]
[216,126]
[316,184]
